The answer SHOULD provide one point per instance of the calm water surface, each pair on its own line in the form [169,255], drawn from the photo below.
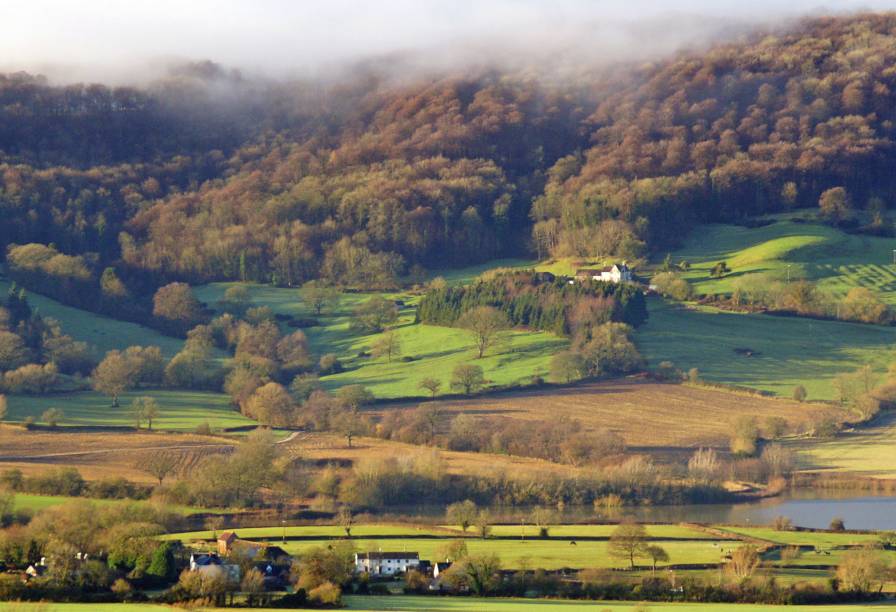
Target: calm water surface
[805,508]
[813,509]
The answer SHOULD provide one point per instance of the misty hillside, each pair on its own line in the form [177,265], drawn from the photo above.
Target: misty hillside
[208,175]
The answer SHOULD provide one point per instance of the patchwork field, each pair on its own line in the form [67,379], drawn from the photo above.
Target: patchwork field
[574,546]
[178,410]
[836,260]
[580,546]
[786,351]
[656,532]
[426,350]
[98,454]
[646,414]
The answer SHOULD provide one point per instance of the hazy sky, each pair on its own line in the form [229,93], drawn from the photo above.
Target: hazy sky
[71,39]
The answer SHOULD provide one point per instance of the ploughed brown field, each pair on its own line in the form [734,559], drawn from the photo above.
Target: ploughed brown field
[662,419]
[100,454]
[648,415]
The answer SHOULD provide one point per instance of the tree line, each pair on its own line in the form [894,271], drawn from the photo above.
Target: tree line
[538,300]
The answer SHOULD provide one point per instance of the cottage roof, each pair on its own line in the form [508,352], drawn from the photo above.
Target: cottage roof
[227,536]
[388,555]
[206,559]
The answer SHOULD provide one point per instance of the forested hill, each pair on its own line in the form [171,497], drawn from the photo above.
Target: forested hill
[360,181]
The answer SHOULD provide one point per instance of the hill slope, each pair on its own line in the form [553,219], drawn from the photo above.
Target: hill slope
[835,260]
[458,168]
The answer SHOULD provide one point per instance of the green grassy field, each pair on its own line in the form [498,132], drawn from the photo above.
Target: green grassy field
[36,503]
[565,548]
[434,350]
[463,276]
[104,333]
[788,351]
[178,410]
[544,554]
[402,603]
[835,260]
[819,539]
[657,532]
[866,450]
[320,531]
[471,604]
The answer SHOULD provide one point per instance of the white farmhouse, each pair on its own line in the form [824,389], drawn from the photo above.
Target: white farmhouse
[386,563]
[617,273]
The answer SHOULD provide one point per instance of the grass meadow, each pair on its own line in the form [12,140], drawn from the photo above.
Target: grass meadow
[419,603]
[559,551]
[35,503]
[472,604]
[656,532]
[104,333]
[787,351]
[179,410]
[426,350]
[818,539]
[868,450]
[837,261]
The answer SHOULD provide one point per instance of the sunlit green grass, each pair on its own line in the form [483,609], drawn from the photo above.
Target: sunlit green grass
[104,333]
[869,450]
[819,539]
[516,545]
[426,350]
[788,351]
[472,604]
[418,603]
[534,553]
[35,503]
[657,532]
[178,410]
[319,531]
[837,261]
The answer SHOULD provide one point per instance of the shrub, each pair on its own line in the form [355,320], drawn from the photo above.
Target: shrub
[329,364]
[672,285]
[326,594]
[204,429]
[782,523]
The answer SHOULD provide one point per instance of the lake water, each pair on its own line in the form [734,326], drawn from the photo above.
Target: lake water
[813,509]
[805,508]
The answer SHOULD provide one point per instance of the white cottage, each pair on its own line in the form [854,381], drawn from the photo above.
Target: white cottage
[617,273]
[386,563]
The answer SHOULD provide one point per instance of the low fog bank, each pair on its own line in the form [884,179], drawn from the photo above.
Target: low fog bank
[138,43]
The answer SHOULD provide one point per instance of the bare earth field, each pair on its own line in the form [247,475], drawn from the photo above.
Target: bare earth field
[98,454]
[647,414]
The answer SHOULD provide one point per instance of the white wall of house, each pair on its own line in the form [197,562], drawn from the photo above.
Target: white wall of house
[384,567]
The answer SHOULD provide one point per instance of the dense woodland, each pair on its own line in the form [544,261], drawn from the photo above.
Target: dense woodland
[209,175]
